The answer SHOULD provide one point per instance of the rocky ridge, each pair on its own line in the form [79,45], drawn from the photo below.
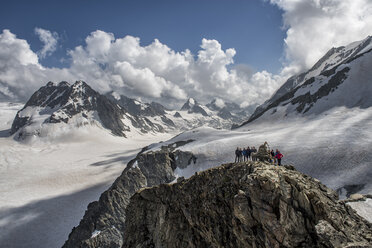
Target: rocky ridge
[103,222]
[244,205]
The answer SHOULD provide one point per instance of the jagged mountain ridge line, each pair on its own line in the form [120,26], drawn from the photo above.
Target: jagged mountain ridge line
[64,101]
[123,115]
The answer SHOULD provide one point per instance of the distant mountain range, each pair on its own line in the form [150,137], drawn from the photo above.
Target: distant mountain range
[342,77]
[76,105]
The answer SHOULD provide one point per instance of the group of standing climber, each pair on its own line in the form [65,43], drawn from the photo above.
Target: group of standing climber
[242,155]
[263,154]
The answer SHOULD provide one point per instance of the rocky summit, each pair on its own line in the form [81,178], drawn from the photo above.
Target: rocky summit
[243,205]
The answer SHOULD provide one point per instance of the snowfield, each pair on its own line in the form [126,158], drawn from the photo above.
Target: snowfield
[333,147]
[364,208]
[46,184]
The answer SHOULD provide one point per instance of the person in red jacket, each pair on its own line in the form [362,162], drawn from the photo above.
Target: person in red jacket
[279,157]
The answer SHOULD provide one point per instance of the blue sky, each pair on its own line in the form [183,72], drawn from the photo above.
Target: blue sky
[253,28]
[169,50]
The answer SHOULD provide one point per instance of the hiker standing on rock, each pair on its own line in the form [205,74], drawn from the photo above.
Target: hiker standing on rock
[249,151]
[237,154]
[279,157]
[244,153]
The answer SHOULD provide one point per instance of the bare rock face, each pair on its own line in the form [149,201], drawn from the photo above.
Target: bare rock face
[103,222]
[243,205]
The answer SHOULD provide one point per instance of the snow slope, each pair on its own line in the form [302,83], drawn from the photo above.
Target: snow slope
[341,78]
[46,184]
[8,111]
[364,208]
[45,187]
[333,147]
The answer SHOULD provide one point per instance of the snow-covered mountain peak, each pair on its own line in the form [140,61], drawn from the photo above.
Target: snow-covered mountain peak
[67,105]
[79,87]
[63,84]
[77,105]
[189,104]
[216,104]
[339,55]
[192,106]
[342,77]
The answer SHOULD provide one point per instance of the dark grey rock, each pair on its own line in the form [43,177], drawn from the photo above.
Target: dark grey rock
[177,115]
[243,205]
[224,113]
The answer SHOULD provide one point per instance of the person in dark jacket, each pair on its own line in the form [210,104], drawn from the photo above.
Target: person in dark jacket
[249,151]
[237,155]
[272,156]
[279,157]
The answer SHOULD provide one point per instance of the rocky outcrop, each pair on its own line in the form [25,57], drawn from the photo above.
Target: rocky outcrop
[103,222]
[243,205]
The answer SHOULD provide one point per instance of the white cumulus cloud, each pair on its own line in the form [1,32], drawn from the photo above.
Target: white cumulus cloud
[315,26]
[157,72]
[152,72]
[49,40]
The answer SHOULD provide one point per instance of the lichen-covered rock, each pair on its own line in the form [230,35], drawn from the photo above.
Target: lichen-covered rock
[243,205]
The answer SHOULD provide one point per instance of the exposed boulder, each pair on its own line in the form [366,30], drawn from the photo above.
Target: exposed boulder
[243,205]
